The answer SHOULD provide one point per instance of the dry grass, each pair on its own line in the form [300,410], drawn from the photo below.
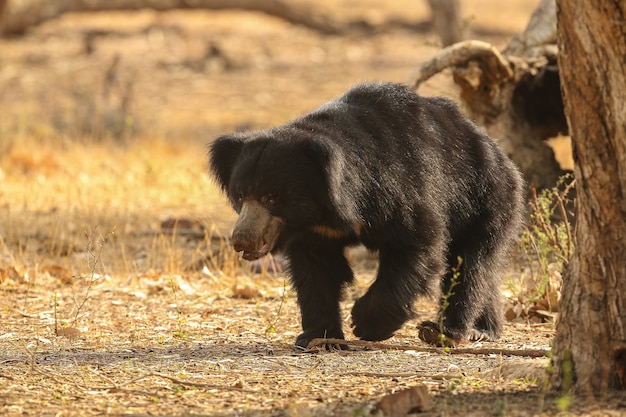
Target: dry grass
[82,250]
[107,309]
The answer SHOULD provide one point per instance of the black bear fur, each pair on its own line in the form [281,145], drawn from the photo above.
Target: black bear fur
[408,176]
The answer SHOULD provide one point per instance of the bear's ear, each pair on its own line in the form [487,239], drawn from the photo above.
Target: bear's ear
[223,154]
[318,152]
[334,173]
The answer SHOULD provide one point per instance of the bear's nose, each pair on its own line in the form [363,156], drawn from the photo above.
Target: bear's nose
[241,241]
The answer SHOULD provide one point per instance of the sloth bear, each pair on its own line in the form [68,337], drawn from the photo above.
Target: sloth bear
[405,175]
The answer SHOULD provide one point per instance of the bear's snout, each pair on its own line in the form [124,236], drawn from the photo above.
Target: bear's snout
[256,231]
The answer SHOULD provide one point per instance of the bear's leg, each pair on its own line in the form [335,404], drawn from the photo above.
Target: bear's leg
[404,272]
[319,272]
[490,322]
[471,301]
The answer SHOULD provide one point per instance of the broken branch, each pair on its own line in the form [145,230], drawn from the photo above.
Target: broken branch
[457,55]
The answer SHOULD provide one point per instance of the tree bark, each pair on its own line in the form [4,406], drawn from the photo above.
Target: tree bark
[590,346]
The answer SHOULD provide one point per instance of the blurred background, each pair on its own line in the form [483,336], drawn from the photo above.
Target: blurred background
[106,107]
[192,73]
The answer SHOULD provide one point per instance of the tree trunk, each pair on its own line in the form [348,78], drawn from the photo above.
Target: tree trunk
[446,17]
[590,346]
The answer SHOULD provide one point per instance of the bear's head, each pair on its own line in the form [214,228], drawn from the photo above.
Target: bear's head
[276,182]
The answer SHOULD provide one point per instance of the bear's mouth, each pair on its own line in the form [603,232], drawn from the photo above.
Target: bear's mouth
[253,256]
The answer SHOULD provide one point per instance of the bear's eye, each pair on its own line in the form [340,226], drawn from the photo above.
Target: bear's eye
[239,197]
[268,199]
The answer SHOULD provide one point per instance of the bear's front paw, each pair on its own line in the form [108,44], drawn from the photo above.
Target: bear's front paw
[303,341]
[374,321]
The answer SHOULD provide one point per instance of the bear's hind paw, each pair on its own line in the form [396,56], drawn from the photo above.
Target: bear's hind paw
[430,333]
[476,335]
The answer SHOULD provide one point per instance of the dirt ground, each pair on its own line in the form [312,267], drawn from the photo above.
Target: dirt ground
[119,294]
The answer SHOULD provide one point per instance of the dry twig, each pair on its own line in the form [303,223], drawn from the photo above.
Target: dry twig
[315,345]
[442,376]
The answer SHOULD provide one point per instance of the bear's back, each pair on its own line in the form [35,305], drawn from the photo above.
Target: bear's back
[386,99]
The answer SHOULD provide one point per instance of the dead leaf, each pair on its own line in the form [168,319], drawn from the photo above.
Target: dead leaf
[69,332]
[403,402]
[11,274]
[549,302]
[245,291]
[57,271]
[510,314]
